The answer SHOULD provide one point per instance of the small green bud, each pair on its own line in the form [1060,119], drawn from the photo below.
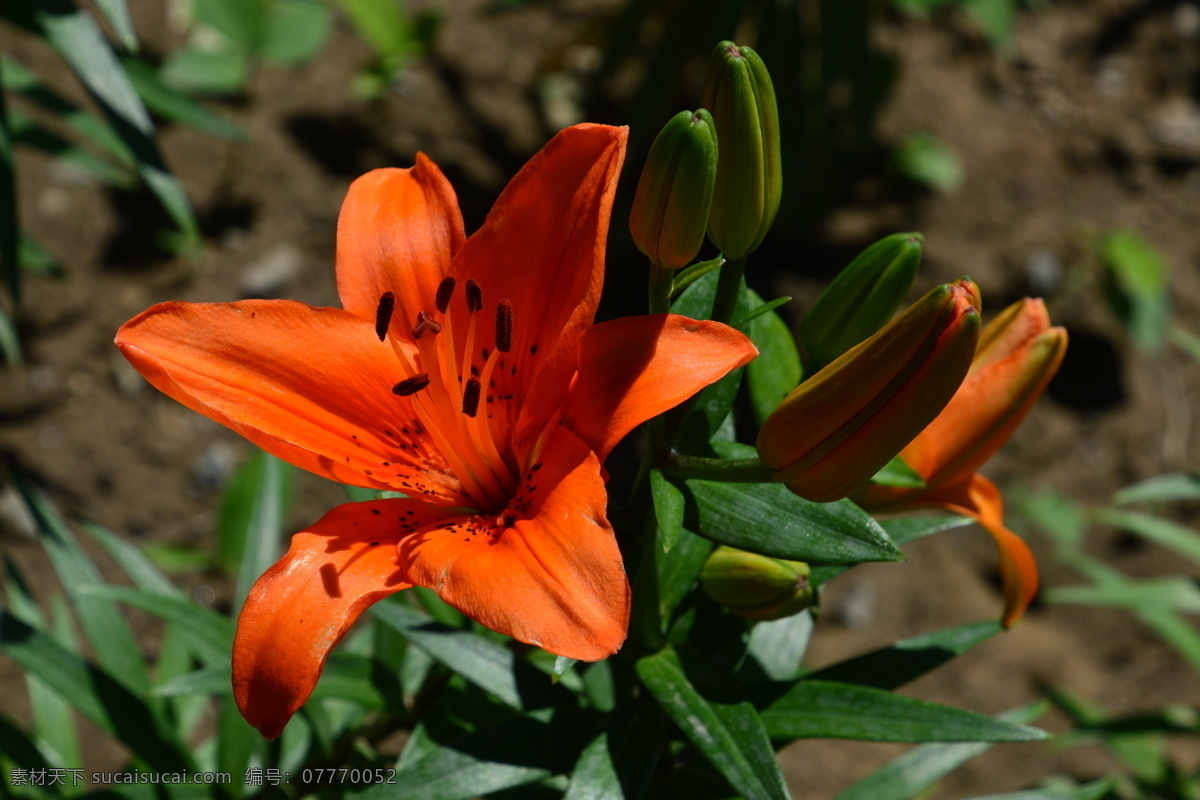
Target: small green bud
[674,193]
[862,298]
[754,586]
[738,92]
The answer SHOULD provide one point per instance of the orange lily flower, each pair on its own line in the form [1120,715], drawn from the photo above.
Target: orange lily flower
[1017,355]
[464,373]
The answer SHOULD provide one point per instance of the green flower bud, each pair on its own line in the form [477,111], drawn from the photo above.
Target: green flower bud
[754,586]
[670,208]
[862,298]
[738,92]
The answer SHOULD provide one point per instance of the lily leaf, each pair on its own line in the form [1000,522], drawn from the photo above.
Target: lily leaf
[112,641]
[668,509]
[778,646]
[618,764]
[78,39]
[776,371]
[1161,489]
[1175,537]
[766,518]
[821,709]
[515,753]
[723,726]
[924,766]
[898,473]
[93,693]
[906,660]
[1088,791]
[485,663]
[209,634]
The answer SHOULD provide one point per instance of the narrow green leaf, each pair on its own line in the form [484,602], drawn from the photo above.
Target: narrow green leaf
[18,748]
[724,727]
[776,371]
[766,518]
[923,158]
[488,665]
[1088,791]
[79,40]
[561,665]
[902,531]
[1152,595]
[111,640]
[760,310]
[619,763]
[897,473]
[1176,631]
[595,776]
[10,343]
[1145,756]
[1054,514]
[93,693]
[264,527]
[209,634]
[1175,537]
[220,72]
[52,718]
[29,133]
[778,646]
[1138,286]
[516,753]
[294,31]
[167,101]
[908,659]
[117,14]
[677,573]
[924,766]
[1161,489]
[236,743]
[668,509]
[133,562]
[820,709]
[10,227]
[686,277]
[241,21]
[1185,341]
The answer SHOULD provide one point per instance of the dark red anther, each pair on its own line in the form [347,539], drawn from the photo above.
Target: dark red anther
[445,291]
[474,296]
[470,405]
[504,326]
[383,314]
[410,386]
[424,323]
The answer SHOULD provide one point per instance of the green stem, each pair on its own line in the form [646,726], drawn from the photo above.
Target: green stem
[729,287]
[662,281]
[725,470]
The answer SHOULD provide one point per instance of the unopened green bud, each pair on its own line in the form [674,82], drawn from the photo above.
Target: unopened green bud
[738,92]
[862,298]
[754,586]
[670,208]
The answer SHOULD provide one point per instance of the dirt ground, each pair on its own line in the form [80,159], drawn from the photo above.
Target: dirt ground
[1090,123]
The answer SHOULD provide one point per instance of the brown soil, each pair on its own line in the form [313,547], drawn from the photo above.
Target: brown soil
[1090,123]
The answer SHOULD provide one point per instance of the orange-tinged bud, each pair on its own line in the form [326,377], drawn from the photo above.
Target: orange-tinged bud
[1018,354]
[841,426]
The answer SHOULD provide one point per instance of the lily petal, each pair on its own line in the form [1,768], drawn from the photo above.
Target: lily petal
[635,368]
[980,499]
[547,571]
[309,385]
[303,605]
[542,248]
[397,232]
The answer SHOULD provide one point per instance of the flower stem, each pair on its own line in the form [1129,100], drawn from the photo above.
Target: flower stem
[729,287]
[661,281]
[725,470]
